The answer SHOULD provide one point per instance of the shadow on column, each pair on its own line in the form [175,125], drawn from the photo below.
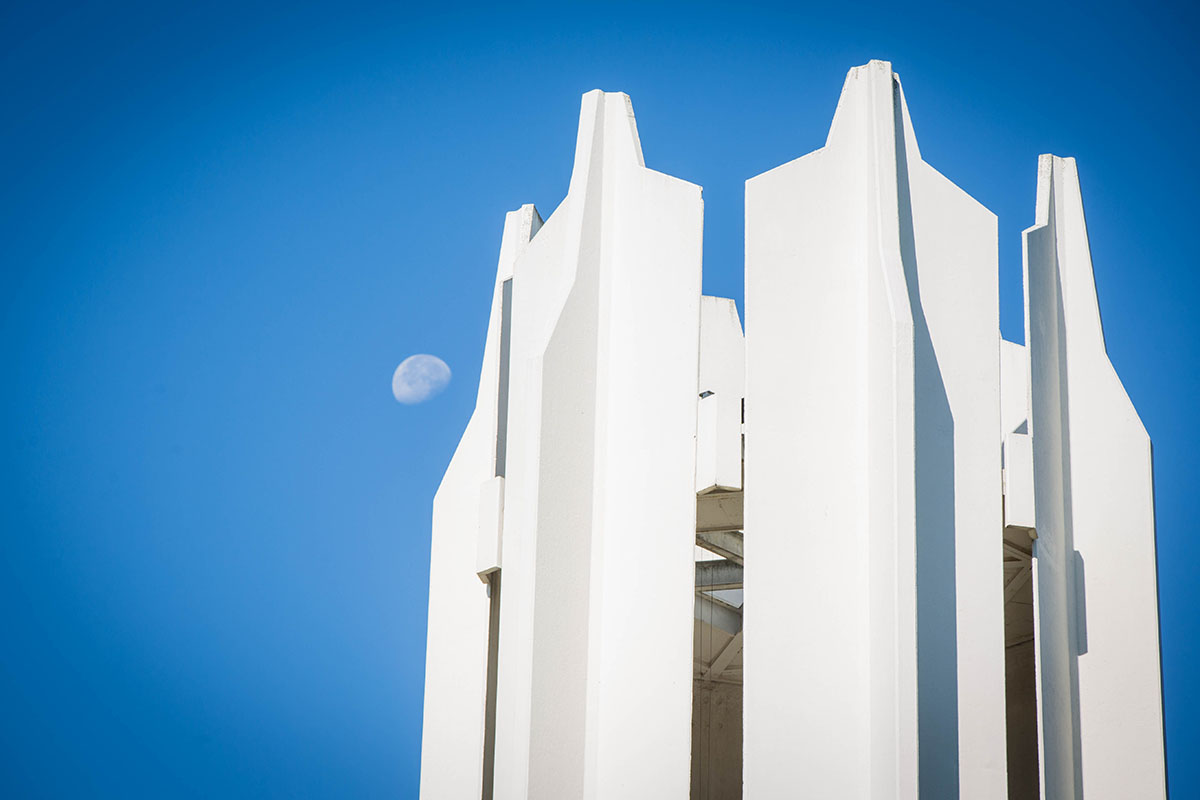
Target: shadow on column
[937,632]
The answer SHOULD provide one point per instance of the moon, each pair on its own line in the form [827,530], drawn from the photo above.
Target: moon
[419,378]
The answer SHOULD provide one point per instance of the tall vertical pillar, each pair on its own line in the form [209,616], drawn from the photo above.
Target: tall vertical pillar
[599,516]
[453,730]
[873,648]
[1099,686]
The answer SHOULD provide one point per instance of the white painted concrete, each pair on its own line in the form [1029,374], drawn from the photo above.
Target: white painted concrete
[596,620]
[921,502]
[1014,388]
[1019,511]
[872,406]
[1017,445]
[956,291]
[722,386]
[1100,702]
[491,527]
[456,649]
[822,267]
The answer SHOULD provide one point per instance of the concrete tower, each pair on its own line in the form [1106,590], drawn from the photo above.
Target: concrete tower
[866,550]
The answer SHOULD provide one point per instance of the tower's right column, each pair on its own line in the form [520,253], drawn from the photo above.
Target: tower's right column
[1095,593]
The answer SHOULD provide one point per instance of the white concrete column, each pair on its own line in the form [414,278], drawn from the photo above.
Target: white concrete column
[874,662]
[456,650]
[721,387]
[599,519]
[1099,689]
[830,597]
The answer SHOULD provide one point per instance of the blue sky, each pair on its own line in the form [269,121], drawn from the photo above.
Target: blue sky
[223,227]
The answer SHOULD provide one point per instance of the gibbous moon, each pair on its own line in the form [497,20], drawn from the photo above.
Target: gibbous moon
[419,378]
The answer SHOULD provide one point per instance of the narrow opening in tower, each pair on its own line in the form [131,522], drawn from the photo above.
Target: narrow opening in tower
[489,712]
[493,579]
[1019,668]
[717,648]
[502,378]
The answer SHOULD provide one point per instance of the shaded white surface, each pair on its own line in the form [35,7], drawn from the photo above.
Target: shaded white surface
[1018,483]
[491,527]
[721,387]
[1014,387]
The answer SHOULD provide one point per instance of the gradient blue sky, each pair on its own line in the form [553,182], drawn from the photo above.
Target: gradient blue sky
[223,226]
